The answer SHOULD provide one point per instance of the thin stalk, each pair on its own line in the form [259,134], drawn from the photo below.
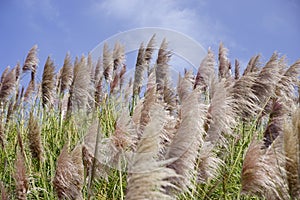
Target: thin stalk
[90,183]
[121,181]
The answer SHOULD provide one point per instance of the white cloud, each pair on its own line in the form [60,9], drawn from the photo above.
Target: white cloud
[166,13]
[188,17]
[46,10]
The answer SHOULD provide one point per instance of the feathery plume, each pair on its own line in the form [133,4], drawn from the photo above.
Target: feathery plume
[275,124]
[18,71]
[253,65]
[90,65]
[128,91]
[267,80]
[32,60]
[34,138]
[187,141]
[48,83]
[224,66]
[99,92]
[66,74]
[149,100]
[68,179]
[4,73]
[236,69]
[119,145]
[245,101]
[184,86]
[170,97]
[162,66]
[291,148]
[148,178]
[79,90]
[8,83]
[118,55]
[220,115]
[108,63]
[77,160]
[20,177]
[121,77]
[286,86]
[98,71]
[282,64]
[124,136]
[148,52]
[208,164]
[114,84]
[139,71]
[206,76]
[29,90]
[263,171]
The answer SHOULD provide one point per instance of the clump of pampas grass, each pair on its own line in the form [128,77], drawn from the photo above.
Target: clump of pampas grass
[68,179]
[147,176]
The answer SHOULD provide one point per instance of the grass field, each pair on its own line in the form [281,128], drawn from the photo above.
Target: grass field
[84,132]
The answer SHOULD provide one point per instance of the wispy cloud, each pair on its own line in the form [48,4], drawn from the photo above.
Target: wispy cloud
[172,14]
[41,12]
[188,17]
[149,13]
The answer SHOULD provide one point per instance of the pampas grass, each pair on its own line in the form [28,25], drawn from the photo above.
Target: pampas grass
[275,124]
[29,90]
[285,87]
[108,63]
[184,86]
[206,72]
[118,55]
[264,172]
[20,177]
[8,83]
[79,90]
[143,139]
[48,83]
[253,65]
[187,141]
[291,147]
[98,71]
[150,99]
[162,67]
[66,74]
[139,71]
[31,61]
[68,180]
[34,138]
[236,69]
[148,177]
[267,80]
[208,164]
[224,65]
[221,118]
[149,52]
[245,101]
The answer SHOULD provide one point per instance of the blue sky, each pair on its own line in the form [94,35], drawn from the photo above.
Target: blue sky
[57,26]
